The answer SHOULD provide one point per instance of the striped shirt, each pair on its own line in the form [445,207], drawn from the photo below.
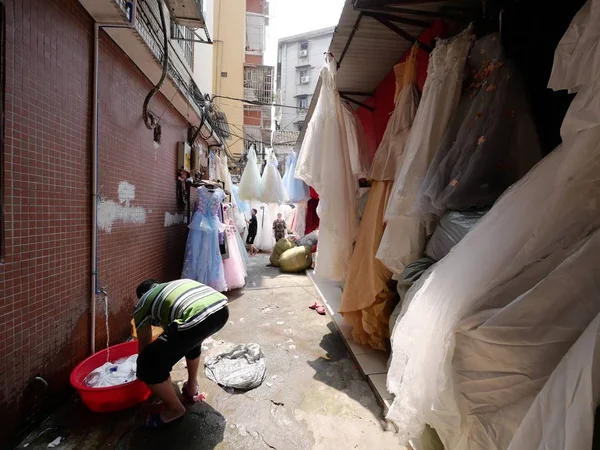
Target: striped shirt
[185,302]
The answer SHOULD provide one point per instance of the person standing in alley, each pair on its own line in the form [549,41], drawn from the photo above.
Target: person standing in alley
[252,230]
[279,228]
[189,312]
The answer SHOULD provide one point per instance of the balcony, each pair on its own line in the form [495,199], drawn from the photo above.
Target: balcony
[258,84]
[255,33]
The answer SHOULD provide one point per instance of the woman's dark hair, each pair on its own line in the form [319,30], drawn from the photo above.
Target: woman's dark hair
[144,287]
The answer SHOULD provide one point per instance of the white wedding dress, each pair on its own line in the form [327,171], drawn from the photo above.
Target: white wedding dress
[403,240]
[324,163]
[532,254]
[272,189]
[251,182]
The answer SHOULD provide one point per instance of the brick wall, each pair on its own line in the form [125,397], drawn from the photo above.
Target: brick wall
[44,281]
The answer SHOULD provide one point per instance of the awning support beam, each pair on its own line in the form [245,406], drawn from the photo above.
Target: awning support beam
[356,102]
[396,29]
[412,12]
[404,20]
[370,3]
[359,94]
[354,29]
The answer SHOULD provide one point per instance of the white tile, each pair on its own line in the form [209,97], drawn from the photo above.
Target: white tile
[379,383]
[359,349]
[373,363]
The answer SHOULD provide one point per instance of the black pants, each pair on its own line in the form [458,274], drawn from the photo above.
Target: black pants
[155,363]
[250,239]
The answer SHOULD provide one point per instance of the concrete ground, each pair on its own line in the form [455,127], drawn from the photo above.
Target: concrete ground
[312,398]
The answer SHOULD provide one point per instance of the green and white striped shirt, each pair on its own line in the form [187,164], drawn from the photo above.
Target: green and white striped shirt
[185,302]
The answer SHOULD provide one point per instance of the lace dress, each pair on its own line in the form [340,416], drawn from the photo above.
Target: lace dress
[203,261]
[250,183]
[491,141]
[403,240]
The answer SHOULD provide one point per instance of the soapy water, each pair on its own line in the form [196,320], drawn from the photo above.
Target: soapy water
[109,374]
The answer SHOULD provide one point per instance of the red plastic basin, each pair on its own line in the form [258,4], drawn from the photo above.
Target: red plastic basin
[107,399]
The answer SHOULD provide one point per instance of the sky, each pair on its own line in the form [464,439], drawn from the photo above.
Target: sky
[290,17]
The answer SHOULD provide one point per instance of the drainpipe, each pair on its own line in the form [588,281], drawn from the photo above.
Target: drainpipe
[94,253]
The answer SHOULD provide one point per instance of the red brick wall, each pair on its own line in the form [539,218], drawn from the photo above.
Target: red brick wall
[254,59]
[45,279]
[255,6]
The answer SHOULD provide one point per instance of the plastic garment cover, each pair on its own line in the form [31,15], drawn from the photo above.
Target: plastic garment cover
[559,199]
[452,228]
[324,163]
[358,146]
[299,220]
[116,373]
[250,183]
[490,142]
[265,240]
[297,190]
[404,238]
[243,206]
[562,414]
[243,367]
[272,190]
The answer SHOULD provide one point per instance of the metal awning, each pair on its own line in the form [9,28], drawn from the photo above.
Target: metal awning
[187,12]
[372,36]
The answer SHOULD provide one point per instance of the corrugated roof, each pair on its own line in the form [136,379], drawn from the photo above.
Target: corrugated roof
[374,48]
[285,137]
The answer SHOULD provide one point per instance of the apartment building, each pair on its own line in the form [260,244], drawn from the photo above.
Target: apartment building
[299,60]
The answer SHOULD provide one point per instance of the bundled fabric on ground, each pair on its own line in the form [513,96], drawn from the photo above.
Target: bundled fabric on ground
[281,246]
[296,189]
[324,163]
[452,228]
[491,141]
[404,238]
[296,259]
[531,260]
[272,189]
[250,183]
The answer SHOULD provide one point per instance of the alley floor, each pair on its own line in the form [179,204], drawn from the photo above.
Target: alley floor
[312,398]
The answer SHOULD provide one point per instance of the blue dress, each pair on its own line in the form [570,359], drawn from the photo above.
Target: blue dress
[296,189]
[203,261]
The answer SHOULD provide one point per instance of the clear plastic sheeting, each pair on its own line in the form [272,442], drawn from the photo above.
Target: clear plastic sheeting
[403,240]
[243,367]
[250,183]
[562,415]
[508,254]
[452,228]
[324,163]
[358,146]
[115,373]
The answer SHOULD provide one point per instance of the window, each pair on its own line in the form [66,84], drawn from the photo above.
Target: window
[303,49]
[304,76]
[179,32]
[304,45]
[303,102]
[255,33]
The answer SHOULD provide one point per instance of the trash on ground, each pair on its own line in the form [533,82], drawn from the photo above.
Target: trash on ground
[56,442]
[243,367]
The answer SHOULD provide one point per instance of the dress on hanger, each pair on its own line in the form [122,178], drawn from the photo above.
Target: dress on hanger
[299,220]
[491,141]
[525,245]
[235,267]
[296,189]
[358,146]
[203,261]
[369,298]
[272,187]
[265,240]
[403,240]
[324,163]
[250,183]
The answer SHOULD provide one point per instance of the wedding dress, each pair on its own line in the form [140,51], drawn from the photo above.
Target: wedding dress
[509,255]
[358,146]
[490,142]
[297,190]
[272,188]
[324,163]
[234,265]
[251,182]
[265,240]
[403,240]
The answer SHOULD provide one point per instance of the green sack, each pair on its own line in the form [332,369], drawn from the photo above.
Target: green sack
[296,259]
[281,246]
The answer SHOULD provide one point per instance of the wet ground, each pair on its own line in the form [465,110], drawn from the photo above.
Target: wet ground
[312,398]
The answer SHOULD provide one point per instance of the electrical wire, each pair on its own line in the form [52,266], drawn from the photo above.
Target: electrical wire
[150,121]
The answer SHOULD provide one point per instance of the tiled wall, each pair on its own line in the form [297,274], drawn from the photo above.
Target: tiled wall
[45,278]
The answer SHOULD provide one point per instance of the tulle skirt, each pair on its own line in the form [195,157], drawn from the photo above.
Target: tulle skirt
[235,268]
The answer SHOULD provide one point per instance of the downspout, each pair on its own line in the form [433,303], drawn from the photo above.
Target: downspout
[94,253]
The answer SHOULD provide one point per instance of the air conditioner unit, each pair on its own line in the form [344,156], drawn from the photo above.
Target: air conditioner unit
[304,80]
[303,53]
